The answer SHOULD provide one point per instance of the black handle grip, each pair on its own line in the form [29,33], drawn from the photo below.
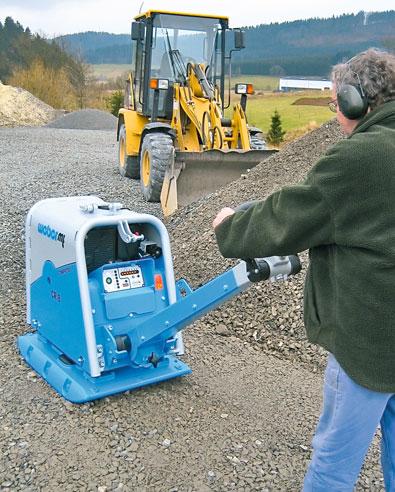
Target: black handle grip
[258,270]
[296,264]
[278,267]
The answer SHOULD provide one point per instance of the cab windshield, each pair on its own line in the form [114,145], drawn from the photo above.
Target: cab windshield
[178,40]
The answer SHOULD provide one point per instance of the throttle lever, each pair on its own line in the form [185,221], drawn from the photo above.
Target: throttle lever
[126,234]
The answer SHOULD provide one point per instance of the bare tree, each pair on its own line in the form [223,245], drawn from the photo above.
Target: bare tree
[82,79]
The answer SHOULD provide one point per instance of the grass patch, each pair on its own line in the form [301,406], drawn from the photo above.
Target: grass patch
[106,71]
[260,109]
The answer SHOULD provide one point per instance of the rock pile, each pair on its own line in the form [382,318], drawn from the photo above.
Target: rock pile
[270,315]
[20,108]
[86,119]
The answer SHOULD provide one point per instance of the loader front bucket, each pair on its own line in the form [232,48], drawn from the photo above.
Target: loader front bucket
[195,174]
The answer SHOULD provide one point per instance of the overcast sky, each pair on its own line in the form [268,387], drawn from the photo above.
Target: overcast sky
[54,17]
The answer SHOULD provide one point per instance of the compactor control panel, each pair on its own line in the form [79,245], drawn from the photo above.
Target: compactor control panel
[122,278]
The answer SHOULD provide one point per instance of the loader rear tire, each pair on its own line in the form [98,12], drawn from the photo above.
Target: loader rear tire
[155,155]
[128,165]
[257,142]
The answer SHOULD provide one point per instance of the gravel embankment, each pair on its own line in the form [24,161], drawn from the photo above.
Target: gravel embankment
[268,315]
[245,417]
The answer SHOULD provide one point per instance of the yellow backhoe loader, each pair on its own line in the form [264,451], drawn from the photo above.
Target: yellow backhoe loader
[172,132]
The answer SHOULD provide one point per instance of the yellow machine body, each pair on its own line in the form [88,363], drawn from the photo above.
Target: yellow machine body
[172,131]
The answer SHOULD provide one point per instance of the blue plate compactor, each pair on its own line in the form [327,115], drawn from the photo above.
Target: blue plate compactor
[102,300]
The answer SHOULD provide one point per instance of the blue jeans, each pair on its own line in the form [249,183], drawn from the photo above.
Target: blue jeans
[348,422]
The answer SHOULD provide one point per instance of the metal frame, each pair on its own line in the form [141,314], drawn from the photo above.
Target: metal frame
[28,269]
[223,48]
[131,217]
[147,64]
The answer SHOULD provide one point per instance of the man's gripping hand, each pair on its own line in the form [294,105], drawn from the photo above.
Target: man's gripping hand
[222,215]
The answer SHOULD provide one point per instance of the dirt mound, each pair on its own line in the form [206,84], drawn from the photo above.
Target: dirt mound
[20,108]
[86,119]
[312,101]
[270,315]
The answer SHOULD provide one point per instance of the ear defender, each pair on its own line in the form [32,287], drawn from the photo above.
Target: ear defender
[352,101]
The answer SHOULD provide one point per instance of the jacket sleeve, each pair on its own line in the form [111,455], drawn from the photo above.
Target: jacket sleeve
[289,221]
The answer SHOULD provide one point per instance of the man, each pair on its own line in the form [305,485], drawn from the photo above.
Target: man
[344,213]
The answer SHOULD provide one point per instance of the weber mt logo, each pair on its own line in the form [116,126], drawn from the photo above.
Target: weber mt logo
[50,233]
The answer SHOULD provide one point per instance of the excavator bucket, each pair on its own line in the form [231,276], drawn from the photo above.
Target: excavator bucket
[192,175]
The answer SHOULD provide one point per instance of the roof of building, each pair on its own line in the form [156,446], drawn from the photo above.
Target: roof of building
[323,79]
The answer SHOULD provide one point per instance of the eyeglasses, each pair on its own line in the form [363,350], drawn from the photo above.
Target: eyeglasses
[332,105]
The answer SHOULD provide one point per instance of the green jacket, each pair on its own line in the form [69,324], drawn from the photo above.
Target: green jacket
[344,213]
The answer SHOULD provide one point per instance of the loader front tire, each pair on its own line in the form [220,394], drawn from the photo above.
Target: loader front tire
[155,155]
[128,165]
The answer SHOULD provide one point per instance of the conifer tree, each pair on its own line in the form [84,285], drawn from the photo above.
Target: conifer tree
[115,102]
[275,135]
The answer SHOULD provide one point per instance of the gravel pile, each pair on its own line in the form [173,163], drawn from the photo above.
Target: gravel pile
[244,418]
[86,119]
[267,315]
[20,108]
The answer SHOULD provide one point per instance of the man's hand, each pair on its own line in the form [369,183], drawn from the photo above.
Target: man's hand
[222,214]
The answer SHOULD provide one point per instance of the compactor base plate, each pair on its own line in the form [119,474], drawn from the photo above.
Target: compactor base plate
[77,386]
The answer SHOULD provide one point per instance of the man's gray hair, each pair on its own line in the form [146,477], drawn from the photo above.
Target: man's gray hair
[374,70]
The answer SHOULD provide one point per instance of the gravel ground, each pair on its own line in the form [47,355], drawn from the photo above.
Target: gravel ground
[245,417]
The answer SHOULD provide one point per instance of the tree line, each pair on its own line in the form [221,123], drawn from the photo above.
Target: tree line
[42,67]
[303,47]
[312,46]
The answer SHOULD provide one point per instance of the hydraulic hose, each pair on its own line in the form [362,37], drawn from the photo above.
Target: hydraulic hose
[221,140]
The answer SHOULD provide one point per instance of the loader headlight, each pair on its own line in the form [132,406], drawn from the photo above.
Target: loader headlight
[244,89]
[159,84]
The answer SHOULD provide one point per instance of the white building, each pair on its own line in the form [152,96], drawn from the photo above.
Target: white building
[303,83]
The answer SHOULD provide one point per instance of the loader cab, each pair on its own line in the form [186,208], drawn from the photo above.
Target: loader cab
[163,46]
